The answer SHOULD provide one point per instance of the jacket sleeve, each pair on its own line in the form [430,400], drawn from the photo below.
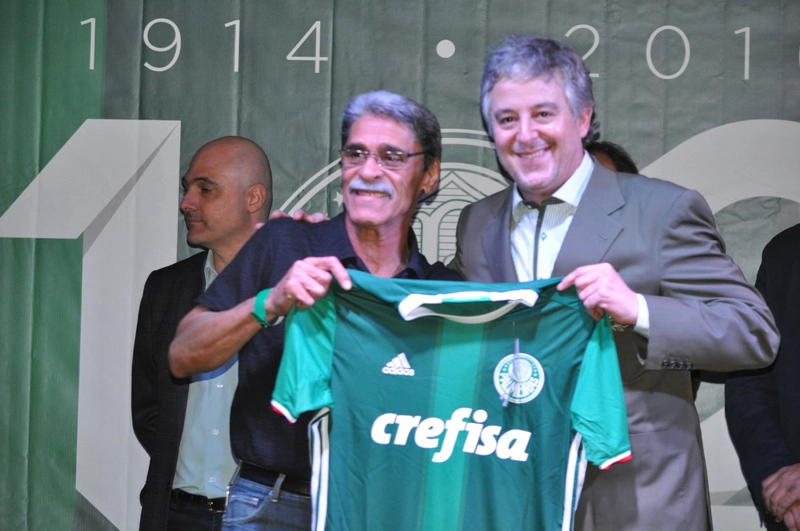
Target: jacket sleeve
[144,379]
[705,315]
[752,403]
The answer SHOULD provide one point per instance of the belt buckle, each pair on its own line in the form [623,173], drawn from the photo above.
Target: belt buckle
[213,505]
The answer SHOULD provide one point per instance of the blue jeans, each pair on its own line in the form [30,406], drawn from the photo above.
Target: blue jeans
[256,507]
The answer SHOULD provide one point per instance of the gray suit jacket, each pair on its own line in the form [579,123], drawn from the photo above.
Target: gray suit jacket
[703,315]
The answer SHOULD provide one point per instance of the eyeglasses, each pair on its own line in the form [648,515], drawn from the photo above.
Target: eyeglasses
[387,159]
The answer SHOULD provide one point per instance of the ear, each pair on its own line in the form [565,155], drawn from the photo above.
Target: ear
[430,181]
[585,121]
[256,195]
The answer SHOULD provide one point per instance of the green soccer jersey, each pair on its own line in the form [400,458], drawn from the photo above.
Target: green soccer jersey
[451,405]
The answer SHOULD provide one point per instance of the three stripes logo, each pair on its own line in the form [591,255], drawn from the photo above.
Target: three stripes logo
[399,366]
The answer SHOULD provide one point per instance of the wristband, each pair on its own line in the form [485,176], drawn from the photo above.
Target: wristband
[259,311]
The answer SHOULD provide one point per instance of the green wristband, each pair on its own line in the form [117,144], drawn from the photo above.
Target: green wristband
[259,311]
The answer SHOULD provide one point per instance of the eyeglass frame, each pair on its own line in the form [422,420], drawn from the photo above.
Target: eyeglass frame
[377,154]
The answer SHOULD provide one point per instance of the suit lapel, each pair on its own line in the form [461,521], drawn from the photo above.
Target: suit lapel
[593,230]
[495,240]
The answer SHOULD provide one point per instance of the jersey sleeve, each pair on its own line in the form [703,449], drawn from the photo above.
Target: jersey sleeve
[598,406]
[303,382]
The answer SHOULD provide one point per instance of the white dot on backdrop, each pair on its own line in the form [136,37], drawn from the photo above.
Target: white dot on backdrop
[446,49]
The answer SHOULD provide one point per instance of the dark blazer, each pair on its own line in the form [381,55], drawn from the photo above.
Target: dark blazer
[703,315]
[763,407]
[158,401]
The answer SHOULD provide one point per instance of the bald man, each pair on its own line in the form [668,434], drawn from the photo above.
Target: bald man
[183,423]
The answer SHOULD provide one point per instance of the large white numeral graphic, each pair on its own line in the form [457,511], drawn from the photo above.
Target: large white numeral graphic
[719,164]
[746,32]
[116,183]
[176,43]
[687,52]
[235,24]
[315,29]
[596,43]
[91,22]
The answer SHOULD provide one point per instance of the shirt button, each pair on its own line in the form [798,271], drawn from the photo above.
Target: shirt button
[215,431]
[544,236]
[212,480]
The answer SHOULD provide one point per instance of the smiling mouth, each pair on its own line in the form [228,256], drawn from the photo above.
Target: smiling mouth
[534,154]
[371,193]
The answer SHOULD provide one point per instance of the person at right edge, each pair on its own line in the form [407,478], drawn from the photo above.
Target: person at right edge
[643,251]
[763,407]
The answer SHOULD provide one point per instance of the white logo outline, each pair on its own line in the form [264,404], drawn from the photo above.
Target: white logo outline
[519,378]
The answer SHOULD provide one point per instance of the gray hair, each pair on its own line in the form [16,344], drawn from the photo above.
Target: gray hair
[526,58]
[406,111]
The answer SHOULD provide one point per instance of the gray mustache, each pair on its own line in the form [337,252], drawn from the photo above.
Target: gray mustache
[378,186]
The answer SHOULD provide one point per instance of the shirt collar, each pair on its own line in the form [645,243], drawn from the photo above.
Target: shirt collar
[417,267]
[208,270]
[571,191]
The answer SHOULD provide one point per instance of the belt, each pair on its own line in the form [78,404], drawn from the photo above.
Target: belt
[268,478]
[214,505]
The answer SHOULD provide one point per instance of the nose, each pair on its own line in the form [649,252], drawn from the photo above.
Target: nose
[188,202]
[527,129]
[371,167]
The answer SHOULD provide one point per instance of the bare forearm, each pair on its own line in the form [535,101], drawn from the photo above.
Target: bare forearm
[206,340]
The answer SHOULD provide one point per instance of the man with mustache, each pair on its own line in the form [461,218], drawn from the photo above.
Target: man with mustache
[641,250]
[391,150]
[183,423]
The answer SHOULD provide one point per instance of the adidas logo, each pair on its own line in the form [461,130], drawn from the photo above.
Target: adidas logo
[399,366]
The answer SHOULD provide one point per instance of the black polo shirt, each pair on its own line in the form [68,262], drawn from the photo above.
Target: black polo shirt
[258,434]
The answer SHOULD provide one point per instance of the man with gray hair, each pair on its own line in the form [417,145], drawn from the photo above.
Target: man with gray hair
[391,150]
[643,251]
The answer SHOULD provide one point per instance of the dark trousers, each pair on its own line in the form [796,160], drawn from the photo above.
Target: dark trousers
[187,516]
